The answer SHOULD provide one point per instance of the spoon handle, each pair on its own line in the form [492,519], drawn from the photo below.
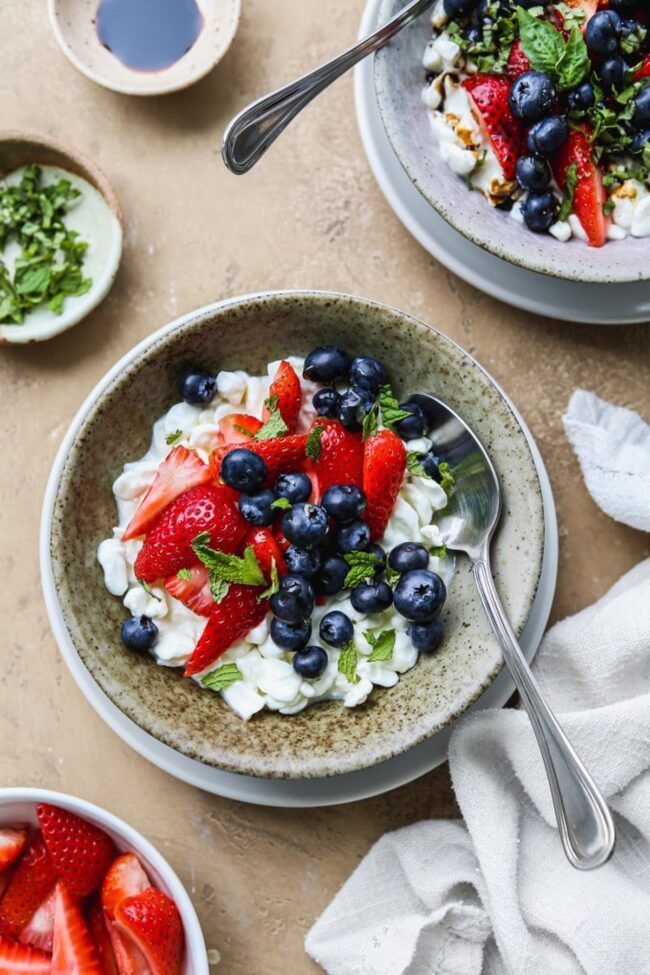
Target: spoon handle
[250,133]
[584,820]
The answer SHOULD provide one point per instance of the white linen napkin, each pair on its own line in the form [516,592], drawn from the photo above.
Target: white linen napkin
[495,894]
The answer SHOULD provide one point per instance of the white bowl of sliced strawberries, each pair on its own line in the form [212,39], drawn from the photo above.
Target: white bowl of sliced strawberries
[82,893]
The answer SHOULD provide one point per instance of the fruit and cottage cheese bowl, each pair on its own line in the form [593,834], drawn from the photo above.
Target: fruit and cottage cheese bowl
[154,707]
[277,541]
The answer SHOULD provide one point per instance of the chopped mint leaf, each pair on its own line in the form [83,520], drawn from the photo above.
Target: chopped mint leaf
[184,575]
[447,481]
[230,568]
[222,678]
[439,551]
[390,409]
[274,426]
[569,192]
[609,206]
[149,591]
[173,437]
[363,566]
[370,422]
[274,585]
[414,464]
[314,445]
[382,646]
[348,658]
[392,575]
[633,41]
[282,503]
[218,588]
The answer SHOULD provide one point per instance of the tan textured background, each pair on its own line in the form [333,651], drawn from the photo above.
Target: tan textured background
[310,216]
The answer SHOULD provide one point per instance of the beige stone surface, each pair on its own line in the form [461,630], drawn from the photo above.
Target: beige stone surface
[309,216]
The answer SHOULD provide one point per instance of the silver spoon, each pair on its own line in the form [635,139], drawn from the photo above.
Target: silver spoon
[250,133]
[467,525]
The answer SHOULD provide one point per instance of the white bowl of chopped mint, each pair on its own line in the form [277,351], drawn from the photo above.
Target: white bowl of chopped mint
[60,237]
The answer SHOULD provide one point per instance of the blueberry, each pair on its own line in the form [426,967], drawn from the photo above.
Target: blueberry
[613,74]
[454,8]
[353,407]
[532,96]
[305,562]
[624,5]
[355,535]
[582,97]
[326,402]
[310,662]
[330,577]
[413,426]
[294,487]
[640,140]
[326,364]
[371,597]
[547,136]
[302,590]
[603,32]
[286,607]
[305,525]
[420,595]
[198,388]
[642,107]
[368,374]
[336,629]
[533,173]
[290,636]
[431,464]
[539,211]
[139,633]
[243,470]
[257,508]
[408,556]
[344,502]
[426,637]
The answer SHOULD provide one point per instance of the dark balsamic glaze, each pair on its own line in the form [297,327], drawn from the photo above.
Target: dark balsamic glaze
[148,35]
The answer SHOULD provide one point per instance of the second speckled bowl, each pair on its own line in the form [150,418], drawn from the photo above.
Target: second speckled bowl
[114,425]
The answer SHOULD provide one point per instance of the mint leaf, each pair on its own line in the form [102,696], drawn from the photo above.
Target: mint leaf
[569,191]
[363,566]
[574,64]
[348,658]
[414,464]
[222,678]
[439,551]
[282,503]
[391,411]
[447,480]
[218,588]
[274,584]
[173,437]
[274,427]
[243,430]
[184,575]
[392,575]
[382,646]
[229,568]
[542,44]
[370,422]
[314,445]
[149,591]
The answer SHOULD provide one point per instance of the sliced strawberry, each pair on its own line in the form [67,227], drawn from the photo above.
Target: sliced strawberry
[644,70]
[384,462]
[193,592]
[13,840]
[286,390]
[31,883]
[239,427]
[81,852]
[281,539]
[340,460]
[281,455]
[40,930]
[153,921]
[73,952]
[181,470]
[99,933]
[168,546]
[518,62]
[231,619]
[267,551]
[124,880]
[488,95]
[589,197]
[17,959]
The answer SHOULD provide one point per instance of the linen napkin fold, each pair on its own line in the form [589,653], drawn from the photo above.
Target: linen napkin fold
[495,895]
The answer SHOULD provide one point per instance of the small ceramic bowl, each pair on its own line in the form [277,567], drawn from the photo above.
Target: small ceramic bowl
[102,228]
[114,425]
[74,26]
[399,81]
[17,806]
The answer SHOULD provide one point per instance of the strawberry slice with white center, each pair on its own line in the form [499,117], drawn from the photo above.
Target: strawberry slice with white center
[124,880]
[153,921]
[340,460]
[73,951]
[589,198]
[13,840]
[181,470]
[81,852]
[17,959]
[488,96]
[98,928]
[239,427]
[231,619]
[32,881]
[39,933]
[192,588]
[384,463]
[286,392]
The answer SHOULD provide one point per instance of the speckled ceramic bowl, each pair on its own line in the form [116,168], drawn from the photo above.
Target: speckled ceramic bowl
[73,23]
[114,425]
[399,80]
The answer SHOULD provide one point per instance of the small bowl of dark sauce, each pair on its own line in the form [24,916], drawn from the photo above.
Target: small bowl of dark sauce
[144,47]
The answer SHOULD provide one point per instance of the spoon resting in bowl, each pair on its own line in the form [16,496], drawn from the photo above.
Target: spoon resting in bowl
[467,525]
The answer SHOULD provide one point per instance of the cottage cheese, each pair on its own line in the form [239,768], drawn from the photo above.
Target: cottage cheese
[268,678]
